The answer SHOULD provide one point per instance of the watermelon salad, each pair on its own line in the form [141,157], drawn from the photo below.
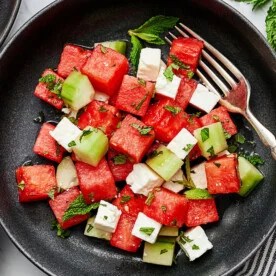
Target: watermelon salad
[139,156]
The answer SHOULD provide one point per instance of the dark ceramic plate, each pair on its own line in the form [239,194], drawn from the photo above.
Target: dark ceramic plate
[244,224]
[8,12]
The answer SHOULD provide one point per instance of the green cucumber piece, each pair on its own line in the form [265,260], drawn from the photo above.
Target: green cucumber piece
[250,176]
[91,146]
[77,91]
[168,231]
[211,139]
[117,45]
[161,252]
[91,231]
[165,163]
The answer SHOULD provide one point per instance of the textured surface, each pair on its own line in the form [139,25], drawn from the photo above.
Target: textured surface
[248,220]
[8,12]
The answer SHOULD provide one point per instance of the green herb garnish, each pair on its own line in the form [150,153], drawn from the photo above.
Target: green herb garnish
[239,138]
[60,232]
[51,193]
[51,83]
[254,158]
[168,73]
[139,105]
[143,130]
[79,207]
[72,144]
[155,153]
[21,185]
[211,151]
[270,23]
[102,109]
[204,134]
[197,194]
[125,199]
[149,198]
[85,133]
[195,247]
[142,82]
[162,251]
[89,228]
[217,164]
[188,147]
[147,230]
[173,109]
[119,159]
[178,62]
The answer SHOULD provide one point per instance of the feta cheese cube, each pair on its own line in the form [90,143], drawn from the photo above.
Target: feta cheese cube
[107,217]
[146,228]
[65,132]
[142,179]
[198,176]
[172,184]
[182,143]
[149,64]
[194,242]
[204,99]
[166,87]
[101,97]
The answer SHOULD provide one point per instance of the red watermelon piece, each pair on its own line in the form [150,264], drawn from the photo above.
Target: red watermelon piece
[60,205]
[36,182]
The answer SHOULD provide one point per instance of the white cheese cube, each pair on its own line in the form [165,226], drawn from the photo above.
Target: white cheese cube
[101,97]
[65,132]
[198,176]
[204,99]
[166,87]
[107,217]
[174,184]
[182,143]
[143,179]
[194,242]
[146,228]
[149,64]
[162,65]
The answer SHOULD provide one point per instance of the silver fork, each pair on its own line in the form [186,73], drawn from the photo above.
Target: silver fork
[236,98]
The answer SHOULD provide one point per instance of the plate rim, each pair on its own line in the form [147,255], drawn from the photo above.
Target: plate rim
[10,23]
[52,5]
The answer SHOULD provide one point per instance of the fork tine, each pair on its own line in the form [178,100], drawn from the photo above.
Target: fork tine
[216,53]
[168,40]
[221,85]
[207,83]
[213,62]
[172,35]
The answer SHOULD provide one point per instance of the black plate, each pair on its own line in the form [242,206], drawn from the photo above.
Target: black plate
[8,12]
[245,223]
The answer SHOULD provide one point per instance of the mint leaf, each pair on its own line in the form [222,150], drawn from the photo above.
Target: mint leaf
[197,194]
[143,130]
[270,23]
[173,109]
[60,232]
[125,199]
[135,51]
[79,207]
[147,230]
[256,3]
[239,138]
[204,133]
[178,62]
[119,159]
[156,25]
[168,73]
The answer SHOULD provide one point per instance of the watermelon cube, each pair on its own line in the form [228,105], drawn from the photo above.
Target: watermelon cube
[128,202]
[96,183]
[106,69]
[166,207]
[185,51]
[122,237]
[220,114]
[36,182]
[72,58]
[119,165]
[185,92]
[133,138]
[222,175]
[46,146]
[60,205]
[43,92]
[134,95]
[167,119]
[201,211]
[100,115]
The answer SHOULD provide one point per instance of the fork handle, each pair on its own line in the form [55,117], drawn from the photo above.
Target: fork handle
[265,135]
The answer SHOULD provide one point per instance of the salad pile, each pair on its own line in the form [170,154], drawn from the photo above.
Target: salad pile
[140,154]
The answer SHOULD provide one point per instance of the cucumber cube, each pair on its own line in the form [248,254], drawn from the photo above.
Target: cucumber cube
[249,175]
[117,45]
[211,139]
[168,231]
[91,231]
[165,163]
[77,91]
[161,252]
[91,146]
